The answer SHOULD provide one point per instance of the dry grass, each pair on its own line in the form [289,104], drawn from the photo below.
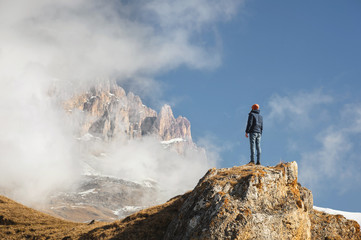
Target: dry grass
[81,213]
[233,175]
[20,222]
[147,224]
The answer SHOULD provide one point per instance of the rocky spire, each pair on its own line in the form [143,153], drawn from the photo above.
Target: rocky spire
[171,128]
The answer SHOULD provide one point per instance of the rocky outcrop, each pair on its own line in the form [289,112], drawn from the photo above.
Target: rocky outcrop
[253,202]
[107,112]
[249,202]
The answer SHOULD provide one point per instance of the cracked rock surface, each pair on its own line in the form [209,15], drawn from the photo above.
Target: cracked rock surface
[254,202]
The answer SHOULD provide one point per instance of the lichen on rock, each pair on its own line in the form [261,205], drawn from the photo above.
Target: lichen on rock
[251,202]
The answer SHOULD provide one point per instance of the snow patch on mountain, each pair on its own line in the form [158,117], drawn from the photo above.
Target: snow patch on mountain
[93,190]
[174,140]
[349,215]
[127,210]
[86,137]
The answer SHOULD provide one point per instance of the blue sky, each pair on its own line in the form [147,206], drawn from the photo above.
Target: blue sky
[301,61]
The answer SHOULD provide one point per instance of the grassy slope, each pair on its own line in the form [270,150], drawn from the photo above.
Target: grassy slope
[20,222]
[150,223]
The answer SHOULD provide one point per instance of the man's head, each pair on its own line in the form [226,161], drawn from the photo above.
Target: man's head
[255,107]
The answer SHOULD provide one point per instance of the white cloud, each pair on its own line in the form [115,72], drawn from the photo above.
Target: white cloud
[36,147]
[144,158]
[74,43]
[214,147]
[84,40]
[323,134]
[299,110]
[333,160]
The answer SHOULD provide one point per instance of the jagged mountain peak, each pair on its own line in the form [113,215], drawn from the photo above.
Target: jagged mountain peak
[171,128]
[166,111]
[109,112]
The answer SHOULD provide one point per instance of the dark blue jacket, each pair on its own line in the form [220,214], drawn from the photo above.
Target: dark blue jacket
[255,122]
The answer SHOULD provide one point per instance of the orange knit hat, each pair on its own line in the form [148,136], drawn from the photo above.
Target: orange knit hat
[255,106]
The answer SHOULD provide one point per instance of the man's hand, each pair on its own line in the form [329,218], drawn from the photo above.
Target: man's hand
[246,135]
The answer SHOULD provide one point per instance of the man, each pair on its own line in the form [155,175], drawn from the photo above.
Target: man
[254,129]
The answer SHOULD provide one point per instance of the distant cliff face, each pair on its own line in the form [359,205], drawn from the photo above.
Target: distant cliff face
[107,112]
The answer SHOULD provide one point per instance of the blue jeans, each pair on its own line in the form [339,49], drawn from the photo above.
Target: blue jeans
[255,142]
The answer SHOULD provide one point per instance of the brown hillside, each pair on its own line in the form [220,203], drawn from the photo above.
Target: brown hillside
[20,222]
[150,224]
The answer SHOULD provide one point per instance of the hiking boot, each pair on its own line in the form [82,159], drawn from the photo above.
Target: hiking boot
[258,163]
[251,162]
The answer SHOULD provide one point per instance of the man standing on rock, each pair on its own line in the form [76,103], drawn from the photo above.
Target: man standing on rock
[254,129]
